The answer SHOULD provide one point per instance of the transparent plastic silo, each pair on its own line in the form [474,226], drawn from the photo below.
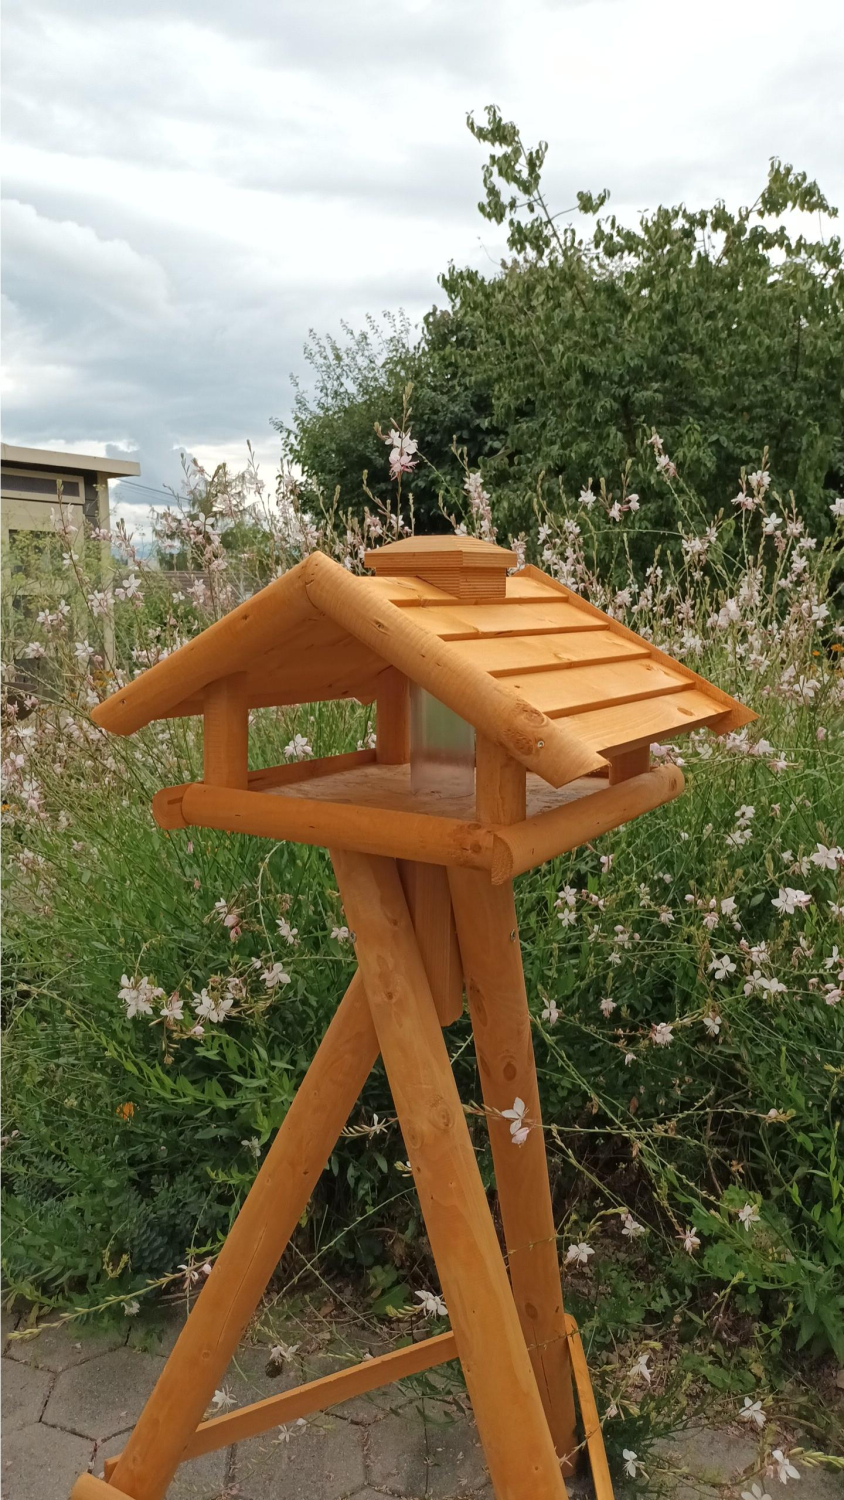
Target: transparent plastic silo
[442,747]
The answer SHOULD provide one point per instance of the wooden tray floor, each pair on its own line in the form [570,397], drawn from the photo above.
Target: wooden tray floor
[389,787]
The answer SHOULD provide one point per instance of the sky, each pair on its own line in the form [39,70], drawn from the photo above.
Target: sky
[192,186]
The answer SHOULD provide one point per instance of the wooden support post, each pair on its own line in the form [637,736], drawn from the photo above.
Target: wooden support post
[392,722]
[251,1252]
[495,987]
[500,784]
[429,901]
[225,732]
[631,763]
[511,1421]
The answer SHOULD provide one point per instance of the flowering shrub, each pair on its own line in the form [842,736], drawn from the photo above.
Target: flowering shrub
[165,993]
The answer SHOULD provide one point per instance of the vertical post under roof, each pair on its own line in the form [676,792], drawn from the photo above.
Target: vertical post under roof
[225,722]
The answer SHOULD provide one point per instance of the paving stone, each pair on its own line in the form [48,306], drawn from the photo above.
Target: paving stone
[41,1463]
[199,1479]
[363,1410]
[24,1392]
[323,1461]
[712,1455]
[62,1348]
[429,1451]
[104,1396]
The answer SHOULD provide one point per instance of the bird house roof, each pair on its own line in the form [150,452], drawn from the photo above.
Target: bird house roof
[559,685]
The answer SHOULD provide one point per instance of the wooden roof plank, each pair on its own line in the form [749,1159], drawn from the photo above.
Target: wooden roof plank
[575,689]
[628,725]
[505,656]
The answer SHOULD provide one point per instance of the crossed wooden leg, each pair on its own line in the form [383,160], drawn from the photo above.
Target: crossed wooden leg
[251,1252]
[390,1005]
[495,987]
[511,1421]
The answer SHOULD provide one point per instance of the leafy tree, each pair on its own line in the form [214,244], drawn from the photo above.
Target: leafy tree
[723,331]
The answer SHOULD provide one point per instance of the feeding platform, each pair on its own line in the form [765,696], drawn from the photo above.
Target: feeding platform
[513,723]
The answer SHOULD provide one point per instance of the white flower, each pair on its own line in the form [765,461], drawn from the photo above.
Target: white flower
[551,1013]
[607,1006]
[752,1412]
[131,1309]
[632,1464]
[275,976]
[566,897]
[755,1492]
[519,1131]
[340,934]
[662,1034]
[631,1228]
[432,1305]
[586,497]
[827,859]
[690,1240]
[606,863]
[290,934]
[173,1008]
[287,1430]
[722,966]
[837,508]
[298,748]
[749,1215]
[280,1353]
[578,1255]
[785,1470]
[138,995]
[211,1008]
[253,1146]
[221,1399]
[640,1370]
[789,900]
[728,906]
[629,1057]
[712,1022]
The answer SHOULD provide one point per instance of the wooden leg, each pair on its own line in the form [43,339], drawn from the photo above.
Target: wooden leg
[499,1377]
[251,1252]
[495,987]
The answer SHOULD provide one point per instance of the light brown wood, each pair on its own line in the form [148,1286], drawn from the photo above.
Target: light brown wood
[390,787]
[320,1395]
[525,845]
[225,732]
[392,723]
[499,621]
[626,726]
[439,841]
[429,902]
[499,1377]
[601,1481]
[167,803]
[316,1395]
[633,763]
[465,567]
[736,713]
[575,690]
[508,656]
[539,743]
[495,989]
[500,784]
[88,1487]
[251,1251]
[248,630]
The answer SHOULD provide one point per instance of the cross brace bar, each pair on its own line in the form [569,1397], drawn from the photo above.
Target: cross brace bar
[316,1395]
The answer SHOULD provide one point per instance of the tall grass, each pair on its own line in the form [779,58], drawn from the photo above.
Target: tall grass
[160,1010]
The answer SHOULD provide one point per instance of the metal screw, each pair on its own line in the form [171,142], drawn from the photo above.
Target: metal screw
[513,936]
[540,744]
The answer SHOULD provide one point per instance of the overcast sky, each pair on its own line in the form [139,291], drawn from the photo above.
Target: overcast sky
[191,186]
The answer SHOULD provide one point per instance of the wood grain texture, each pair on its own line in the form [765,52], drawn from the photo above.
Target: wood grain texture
[579,689]
[601,1481]
[429,903]
[251,1251]
[542,745]
[500,784]
[317,1395]
[88,1487]
[499,1376]
[403,835]
[495,989]
[525,845]
[225,732]
[392,722]
[508,656]
[626,726]
[632,763]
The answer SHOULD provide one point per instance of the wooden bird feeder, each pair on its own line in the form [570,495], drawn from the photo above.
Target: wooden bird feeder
[514,721]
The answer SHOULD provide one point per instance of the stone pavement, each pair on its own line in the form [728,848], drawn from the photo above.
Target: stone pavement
[71,1396]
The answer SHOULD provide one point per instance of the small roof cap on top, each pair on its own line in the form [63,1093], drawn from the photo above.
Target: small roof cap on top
[464,566]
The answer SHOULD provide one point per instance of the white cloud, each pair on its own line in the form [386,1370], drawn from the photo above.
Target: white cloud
[197,187]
